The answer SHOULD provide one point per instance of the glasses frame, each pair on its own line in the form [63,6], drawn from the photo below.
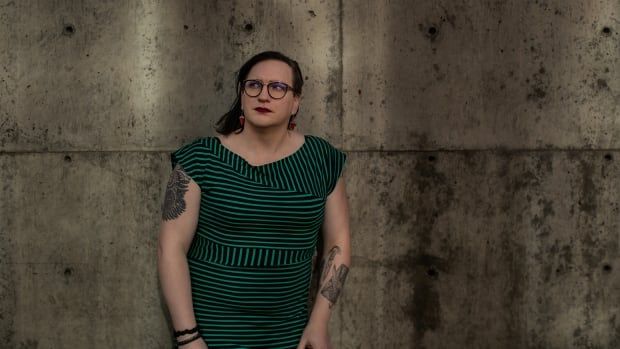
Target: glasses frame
[262,85]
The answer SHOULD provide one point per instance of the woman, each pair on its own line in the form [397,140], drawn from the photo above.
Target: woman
[241,218]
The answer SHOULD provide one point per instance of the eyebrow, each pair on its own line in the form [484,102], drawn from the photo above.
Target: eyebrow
[270,81]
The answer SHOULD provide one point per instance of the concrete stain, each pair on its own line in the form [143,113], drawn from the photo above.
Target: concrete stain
[333,98]
[218,83]
[539,84]
[547,211]
[432,190]
[400,215]
[424,308]
[450,18]
[29,344]
[601,84]
[8,299]
[588,193]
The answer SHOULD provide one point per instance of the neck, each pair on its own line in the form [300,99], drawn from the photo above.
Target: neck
[265,141]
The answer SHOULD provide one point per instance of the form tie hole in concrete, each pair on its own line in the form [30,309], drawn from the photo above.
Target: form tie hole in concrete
[432,158]
[608,157]
[68,271]
[606,31]
[67,158]
[607,268]
[432,273]
[432,33]
[68,30]
[249,27]
[185,27]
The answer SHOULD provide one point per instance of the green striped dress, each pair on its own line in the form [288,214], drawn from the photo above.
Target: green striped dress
[251,257]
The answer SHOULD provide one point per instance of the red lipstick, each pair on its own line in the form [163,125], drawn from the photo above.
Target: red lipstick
[262,110]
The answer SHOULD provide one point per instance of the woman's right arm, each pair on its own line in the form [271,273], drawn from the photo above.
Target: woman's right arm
[178,225]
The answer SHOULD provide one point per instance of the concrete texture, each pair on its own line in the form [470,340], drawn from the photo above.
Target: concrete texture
[481,74]
[79,250]
[149,75]
[483,250]
[482,136]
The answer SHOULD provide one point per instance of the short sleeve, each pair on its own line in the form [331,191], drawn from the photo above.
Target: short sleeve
[335,164]
[188,156]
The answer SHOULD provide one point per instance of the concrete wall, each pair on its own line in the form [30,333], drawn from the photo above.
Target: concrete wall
[483,167]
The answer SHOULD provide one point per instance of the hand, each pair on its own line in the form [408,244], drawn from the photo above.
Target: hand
[315,337]
[197,344]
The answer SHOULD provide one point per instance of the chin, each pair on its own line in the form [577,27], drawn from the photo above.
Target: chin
[265,120]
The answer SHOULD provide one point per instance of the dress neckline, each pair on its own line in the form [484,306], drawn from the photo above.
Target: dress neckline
[243,160]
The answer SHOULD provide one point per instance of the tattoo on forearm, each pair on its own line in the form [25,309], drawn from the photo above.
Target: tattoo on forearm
[326,265]
[174,201]
[331,289]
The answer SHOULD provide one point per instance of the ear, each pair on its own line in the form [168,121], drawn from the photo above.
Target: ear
[295,107]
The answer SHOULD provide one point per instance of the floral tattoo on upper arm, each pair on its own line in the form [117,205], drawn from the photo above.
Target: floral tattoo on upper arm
[174,201]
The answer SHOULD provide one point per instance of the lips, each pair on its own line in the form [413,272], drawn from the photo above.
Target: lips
[262,110]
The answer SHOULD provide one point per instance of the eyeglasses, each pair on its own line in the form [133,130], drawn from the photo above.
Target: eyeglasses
[275,89]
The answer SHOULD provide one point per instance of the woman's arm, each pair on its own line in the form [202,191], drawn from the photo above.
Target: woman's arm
[178,225]
[334,267]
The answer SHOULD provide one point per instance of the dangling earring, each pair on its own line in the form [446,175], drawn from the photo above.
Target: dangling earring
[242,120]
[291,123]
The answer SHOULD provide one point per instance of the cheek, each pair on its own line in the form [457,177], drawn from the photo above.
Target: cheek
[290,106]
[289,109]
[282,107]
[244,101]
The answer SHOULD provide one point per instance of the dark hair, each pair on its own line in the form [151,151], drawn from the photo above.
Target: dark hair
[229,122]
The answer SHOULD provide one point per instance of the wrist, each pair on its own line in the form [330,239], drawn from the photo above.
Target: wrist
[321,311]
[186,336]
[188,342]
[318,321]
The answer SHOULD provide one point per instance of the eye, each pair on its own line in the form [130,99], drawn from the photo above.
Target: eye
[253,84]
[278,86]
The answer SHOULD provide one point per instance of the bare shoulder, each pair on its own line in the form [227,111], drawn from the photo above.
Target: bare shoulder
[229,141]
[222,137]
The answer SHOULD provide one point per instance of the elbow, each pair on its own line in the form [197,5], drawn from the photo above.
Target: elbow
[169,248]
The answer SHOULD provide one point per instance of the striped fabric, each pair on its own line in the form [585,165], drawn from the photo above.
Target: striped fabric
[250,260]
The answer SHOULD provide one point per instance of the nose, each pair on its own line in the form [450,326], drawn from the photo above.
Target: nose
[264,94]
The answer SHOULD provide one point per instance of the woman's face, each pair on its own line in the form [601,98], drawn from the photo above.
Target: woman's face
[264,110]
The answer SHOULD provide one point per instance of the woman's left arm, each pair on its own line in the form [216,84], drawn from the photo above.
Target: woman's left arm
[334,267]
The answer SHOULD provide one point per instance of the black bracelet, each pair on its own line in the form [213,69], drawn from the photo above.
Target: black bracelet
[183,342]
[188,331]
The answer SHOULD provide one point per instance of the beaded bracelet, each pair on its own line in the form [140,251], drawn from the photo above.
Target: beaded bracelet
[183,342]
[188,331]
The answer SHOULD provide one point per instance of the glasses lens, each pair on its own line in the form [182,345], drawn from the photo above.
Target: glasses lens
[253,87]
[277,90]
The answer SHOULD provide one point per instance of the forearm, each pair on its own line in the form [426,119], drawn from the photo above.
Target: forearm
[176,286]
[334,269]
